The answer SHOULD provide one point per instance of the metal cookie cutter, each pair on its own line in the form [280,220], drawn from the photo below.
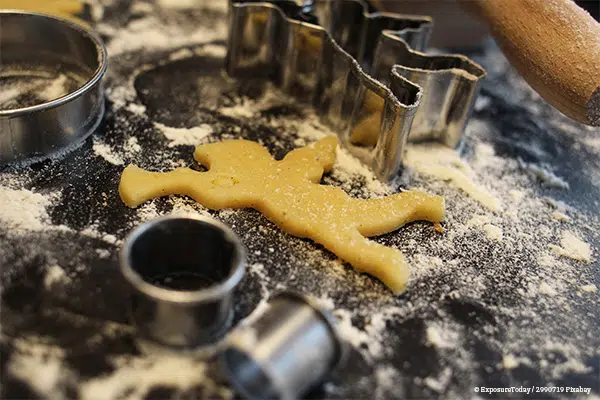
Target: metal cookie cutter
[51,96]
[183,271]
[364,73]
[288,350]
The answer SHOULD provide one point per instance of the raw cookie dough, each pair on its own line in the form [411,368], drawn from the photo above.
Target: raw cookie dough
[243,174]
[61,8]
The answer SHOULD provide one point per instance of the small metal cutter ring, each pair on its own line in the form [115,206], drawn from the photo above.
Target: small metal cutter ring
[289,349]
[183,271]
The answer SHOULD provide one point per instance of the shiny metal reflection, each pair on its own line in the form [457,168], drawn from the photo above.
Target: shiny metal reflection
[32,44]
[183,271]
[364,74]
[290,348]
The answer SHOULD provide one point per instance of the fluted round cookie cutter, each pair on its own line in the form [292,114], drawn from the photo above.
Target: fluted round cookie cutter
[41,47]
[183,271]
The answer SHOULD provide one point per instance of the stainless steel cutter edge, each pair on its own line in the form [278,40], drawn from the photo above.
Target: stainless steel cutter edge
[374,101]
[55,127]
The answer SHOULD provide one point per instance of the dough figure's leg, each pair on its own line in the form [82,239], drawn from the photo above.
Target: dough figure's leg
[385,263]
[379,216]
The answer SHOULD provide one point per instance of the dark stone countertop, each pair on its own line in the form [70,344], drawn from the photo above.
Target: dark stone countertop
[477,313]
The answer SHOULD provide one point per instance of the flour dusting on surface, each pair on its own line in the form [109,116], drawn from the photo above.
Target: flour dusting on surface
[573,247]
[184,136]
[480,297]
[106,152]
[23,210]
[443,163]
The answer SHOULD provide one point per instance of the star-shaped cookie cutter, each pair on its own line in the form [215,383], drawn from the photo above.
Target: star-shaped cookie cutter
[365,74]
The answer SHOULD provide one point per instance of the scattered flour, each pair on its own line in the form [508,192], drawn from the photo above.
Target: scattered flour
[560,216]
[442,337]
[187,4]
[388,382]
[152,33]
[140,7]
[103,253]
[93,231]
[183,206]
[516,195]
[493,232]
[346,166]
[478,220]
[120,96]
[57,88]
[591,288]
[23,210]
[439,383]
[440,162]
[181,54]
[147,211]
[593,142]
[510,361]
[135,377]
[455,266]
[573,247]
[44,89]
[137,109]
[545,176]
[312,130]
[103,150]
[359,339]
[8,94]
[48,371]
[545,288]
[132,145]
[184,136]
[241,110]
[424,265]
[210,49]
[247,108]
[55,274]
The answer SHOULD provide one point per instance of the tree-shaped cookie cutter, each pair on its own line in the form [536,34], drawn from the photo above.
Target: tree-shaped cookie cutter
[364,73]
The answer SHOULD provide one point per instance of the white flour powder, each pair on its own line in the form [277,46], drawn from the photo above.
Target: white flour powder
[500,236]
[184,136]
[23,210]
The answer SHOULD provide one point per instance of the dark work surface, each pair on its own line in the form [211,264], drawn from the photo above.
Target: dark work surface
[58,339]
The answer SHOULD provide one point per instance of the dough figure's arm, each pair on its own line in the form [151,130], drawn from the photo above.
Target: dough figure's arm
[214,191]
[385,263]
[316,158]
[138,185]
[379,216]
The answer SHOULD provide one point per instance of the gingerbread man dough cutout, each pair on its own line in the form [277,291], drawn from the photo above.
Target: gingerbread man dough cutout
[242,174]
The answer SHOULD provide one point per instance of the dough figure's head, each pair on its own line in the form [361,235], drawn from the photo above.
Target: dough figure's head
[232,155]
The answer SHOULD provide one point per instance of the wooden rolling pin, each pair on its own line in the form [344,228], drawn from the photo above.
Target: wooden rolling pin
[554,44]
